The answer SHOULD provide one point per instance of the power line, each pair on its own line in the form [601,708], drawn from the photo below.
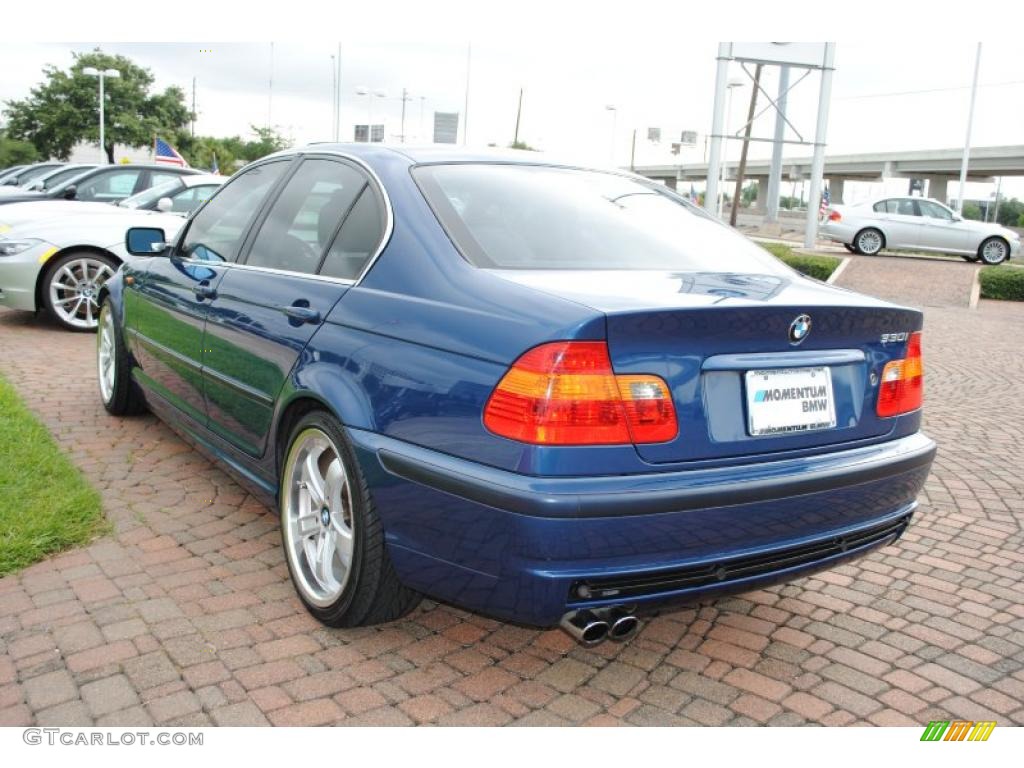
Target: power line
[929,90]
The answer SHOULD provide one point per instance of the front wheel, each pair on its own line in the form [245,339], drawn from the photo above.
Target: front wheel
[333,538]
[118,392]
[994,251]
[71,288]
[869,241]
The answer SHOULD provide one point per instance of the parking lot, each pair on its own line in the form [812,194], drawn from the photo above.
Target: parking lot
[185,615]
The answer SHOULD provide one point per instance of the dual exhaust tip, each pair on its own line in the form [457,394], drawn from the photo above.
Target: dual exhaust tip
[593,627]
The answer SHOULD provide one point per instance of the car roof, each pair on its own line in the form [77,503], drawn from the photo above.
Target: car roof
[203,178]
[441,153]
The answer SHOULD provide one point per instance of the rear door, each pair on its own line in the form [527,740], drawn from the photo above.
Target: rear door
[299,263]
[901,222]
[172,294]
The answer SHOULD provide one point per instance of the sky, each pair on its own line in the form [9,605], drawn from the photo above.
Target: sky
[885,98]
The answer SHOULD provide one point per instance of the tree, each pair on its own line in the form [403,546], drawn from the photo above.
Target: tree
[522,145]
[971,211]
[16,152]
[1010,212]
[232,152]
[62,111]
[749,194]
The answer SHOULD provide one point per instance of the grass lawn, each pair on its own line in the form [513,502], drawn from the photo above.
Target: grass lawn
[45,503]
[818,267]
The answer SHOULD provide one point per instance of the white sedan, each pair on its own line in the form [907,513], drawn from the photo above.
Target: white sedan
[59,263]
[916,223]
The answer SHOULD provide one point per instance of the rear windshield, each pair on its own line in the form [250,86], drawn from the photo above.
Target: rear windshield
[542,217]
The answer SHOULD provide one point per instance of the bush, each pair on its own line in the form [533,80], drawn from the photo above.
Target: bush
[1003,282]
[818,267]
[971,211]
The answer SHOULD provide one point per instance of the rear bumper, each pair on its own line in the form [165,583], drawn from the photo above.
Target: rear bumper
[520,547]
[837,232]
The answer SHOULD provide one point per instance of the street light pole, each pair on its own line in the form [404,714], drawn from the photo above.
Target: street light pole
[101,73]
[732,85]
[967,141]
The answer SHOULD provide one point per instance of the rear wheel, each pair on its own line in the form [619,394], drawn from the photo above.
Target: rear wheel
[993,251]
[869,241]
[71,288]
[117,391]
[333,538]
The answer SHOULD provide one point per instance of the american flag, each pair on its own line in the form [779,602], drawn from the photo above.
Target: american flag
[826,201]
[165,153]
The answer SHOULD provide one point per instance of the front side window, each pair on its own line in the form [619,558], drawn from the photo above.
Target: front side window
[216,232]
[306,216]
[108,187]
[934,211]
[540,217]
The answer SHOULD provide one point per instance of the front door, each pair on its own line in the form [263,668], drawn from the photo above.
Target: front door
[174,293]
[270,305]
[940,231]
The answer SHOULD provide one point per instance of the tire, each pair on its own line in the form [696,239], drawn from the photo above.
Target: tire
[850,248]
[869,241]
[71,286]
[994,251]
[328,514]
[118,393]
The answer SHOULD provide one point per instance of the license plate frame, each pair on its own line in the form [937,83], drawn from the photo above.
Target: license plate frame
[785,396]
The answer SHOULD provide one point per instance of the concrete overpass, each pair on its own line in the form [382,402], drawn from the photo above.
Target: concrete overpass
[936,165]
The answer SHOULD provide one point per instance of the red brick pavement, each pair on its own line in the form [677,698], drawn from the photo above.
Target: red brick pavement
[185,615]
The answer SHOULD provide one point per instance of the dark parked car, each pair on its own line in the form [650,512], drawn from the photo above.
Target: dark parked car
[104,184]
[550,394]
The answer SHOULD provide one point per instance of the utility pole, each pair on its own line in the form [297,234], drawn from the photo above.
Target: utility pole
[193,107]
[270,90]
[742,168]
[632,153]
[717,121]
[820,131]
[337,98]
[465,107]
[999,187]
[775,174]
[519,112]
[967,141]
[334,97]
[405,98]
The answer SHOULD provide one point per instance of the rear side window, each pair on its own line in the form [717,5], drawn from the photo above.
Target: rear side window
[358,239]
[108,187]
[306,216]
[216,232]
[541,217]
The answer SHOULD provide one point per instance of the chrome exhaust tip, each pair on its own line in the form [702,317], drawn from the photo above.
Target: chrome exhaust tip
[585,628]
[622,625]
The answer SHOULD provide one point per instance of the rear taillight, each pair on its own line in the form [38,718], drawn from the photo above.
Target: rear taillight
[835,216]
[565,393]
[902,388]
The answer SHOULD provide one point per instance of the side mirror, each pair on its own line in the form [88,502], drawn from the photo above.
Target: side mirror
[164,204]
[145,241]
[71,192]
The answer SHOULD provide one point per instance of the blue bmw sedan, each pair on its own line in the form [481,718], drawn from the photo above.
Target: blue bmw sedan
[550,394]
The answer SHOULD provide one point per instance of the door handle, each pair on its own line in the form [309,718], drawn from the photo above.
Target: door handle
[204,291]
[302,314]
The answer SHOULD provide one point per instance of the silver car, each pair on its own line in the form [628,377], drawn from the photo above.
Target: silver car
[919,224]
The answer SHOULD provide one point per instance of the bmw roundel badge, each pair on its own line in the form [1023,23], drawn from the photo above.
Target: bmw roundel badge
[799,329]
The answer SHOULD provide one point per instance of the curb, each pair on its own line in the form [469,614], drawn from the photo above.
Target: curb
[839,270]
[975,289]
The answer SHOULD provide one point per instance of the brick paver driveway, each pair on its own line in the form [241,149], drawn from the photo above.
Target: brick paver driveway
[186,614]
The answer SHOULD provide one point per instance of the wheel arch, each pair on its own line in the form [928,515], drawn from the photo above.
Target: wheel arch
[1006,242]
[41,277]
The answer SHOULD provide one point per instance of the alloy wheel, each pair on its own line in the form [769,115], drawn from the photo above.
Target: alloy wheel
[105,351]
[994,252]
[869,242]
[317,517]
[74,291]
